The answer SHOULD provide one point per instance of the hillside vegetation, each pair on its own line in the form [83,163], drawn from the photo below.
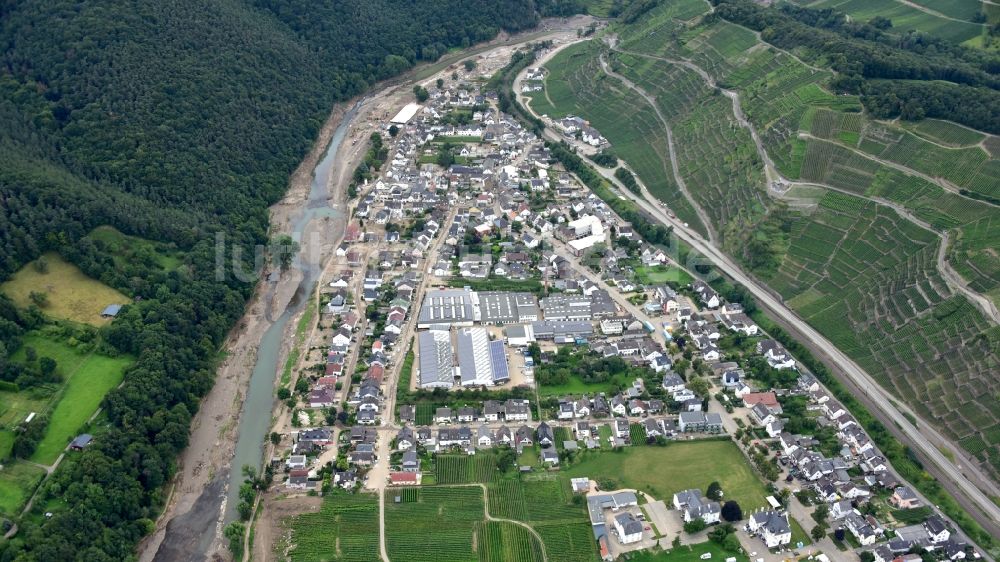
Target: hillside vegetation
[172,121]
[877,186]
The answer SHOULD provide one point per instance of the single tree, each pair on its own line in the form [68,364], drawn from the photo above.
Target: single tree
[40,299]
[731,511]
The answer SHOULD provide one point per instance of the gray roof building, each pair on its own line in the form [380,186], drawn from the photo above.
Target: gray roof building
[437,368]
[507,308]
[448,306]
[566,307]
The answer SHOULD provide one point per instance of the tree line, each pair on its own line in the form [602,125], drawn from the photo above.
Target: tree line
[897,75]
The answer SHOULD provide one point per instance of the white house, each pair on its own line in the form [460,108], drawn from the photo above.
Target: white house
[772,527]
[628,528]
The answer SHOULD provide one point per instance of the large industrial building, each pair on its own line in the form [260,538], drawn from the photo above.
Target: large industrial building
[480,361]
[497,307]
[449,307]
[566,307]
[436,363]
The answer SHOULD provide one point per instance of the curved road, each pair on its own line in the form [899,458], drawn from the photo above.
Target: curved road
[959,482]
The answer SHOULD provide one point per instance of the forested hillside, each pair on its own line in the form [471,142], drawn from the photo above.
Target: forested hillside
[173,120]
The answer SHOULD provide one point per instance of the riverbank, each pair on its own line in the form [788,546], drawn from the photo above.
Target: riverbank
[203,468]
[191,524]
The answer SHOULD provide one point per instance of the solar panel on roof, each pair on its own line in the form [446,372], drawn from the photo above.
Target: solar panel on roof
[499,361]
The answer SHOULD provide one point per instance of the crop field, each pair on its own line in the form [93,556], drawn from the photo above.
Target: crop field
[465,469]
[576,84]
[905,17]
[545,503]
[72,295]
[969,167]
[945,132]
[903,325]
[637,434]
[345,528]
[500,541]
[716,156]
[664,471]
[17,480]
[433,523]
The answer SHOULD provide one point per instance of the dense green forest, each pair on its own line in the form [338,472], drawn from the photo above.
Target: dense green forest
[174,120]
[911,75]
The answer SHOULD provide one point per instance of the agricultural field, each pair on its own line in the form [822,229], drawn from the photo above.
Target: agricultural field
[902,323]
[17,481]
[716,156]
[905,17]
[465,469]
[433,523]
[500,541]
[945,132]
[545,503]
[576,85]
[663,471]
[971,168]
[345,528]
[70,293]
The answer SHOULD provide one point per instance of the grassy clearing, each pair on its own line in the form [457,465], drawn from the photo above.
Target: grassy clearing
[690,553]
[71,295]
[129,248]
[88,377]
[664,471]
[576,385]
[17,481]
[662,274]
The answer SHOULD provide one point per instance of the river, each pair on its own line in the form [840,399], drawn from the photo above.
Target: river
[190,536]
[255,416]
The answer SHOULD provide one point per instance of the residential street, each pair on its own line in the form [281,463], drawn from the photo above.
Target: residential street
[965,484]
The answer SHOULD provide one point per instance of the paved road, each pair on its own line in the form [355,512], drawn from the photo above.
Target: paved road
[923,438]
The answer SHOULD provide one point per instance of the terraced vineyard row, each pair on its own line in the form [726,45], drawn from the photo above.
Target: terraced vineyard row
[856,261]
[341,530]
[716,156]
[576,84]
